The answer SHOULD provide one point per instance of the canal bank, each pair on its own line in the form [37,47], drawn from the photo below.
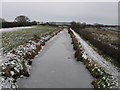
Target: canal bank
[56,67]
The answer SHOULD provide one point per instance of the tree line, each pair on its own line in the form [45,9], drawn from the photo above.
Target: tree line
[18,22]
[77,25]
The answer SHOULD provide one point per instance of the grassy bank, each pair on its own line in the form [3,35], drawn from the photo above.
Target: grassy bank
[17,62]
[106,42]
[104,79]
[13,39]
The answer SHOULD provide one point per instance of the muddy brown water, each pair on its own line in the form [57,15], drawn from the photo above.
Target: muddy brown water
[56,67]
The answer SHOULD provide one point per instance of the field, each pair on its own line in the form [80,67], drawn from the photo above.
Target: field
[20,47]
[108,37]
[106,42]
[13,39]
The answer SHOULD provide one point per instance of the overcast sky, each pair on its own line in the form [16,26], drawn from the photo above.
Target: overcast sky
[90,12]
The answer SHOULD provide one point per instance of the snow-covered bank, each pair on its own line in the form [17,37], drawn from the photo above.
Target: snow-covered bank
[16,63]
[110,68]
[14,28]
[105,72]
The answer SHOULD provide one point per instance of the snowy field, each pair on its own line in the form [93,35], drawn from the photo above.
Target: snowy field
[14,37]
[14,28]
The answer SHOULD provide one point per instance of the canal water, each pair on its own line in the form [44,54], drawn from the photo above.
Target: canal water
[56,67]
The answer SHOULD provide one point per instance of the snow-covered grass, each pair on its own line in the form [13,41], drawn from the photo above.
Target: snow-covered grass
[14,28]
[96,57]
[18,60]
[105,72]
[15,38]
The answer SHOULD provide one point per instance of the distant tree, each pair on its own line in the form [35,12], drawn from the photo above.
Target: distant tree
[84,23]
[75,25]
[34,22]
[22,19]
[47,23]
[98,26]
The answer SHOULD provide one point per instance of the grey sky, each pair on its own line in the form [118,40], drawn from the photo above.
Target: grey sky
[90,12]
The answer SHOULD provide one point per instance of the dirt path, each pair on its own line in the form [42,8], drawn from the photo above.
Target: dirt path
[56,67]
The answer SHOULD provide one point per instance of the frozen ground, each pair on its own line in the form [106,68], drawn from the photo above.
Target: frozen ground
[91,53]
[56,66]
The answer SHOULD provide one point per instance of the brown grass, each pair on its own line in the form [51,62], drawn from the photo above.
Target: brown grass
[106,41]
